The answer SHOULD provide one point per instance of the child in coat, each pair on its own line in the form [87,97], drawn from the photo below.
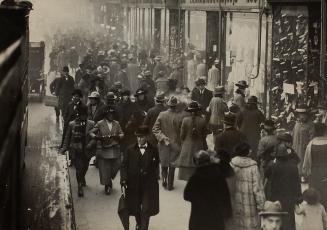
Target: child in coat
[313,213]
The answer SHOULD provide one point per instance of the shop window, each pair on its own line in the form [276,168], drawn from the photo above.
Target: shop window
[295,67]
[242,52]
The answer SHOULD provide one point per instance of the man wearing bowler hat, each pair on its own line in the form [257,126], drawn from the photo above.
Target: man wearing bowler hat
[95,107]
[271,216]
[139,176]
[142,103]
[64,89]
[214,78]
[201,94]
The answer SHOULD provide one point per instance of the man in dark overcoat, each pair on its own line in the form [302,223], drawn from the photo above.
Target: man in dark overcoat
[139,175]
[230,137]
[201,94]
[142,103]
[153,114]
[95,107]
[64,89]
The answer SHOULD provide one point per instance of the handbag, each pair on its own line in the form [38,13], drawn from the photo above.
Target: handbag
[123,210]
[50,100]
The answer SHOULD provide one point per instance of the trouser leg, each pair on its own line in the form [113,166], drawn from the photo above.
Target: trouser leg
[171,176]
[145,220]
[164,174]
[80,167]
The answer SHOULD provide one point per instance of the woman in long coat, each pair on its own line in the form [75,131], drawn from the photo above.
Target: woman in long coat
[249,121]
[108,133]
[193,137]
[247,194]
[208,193]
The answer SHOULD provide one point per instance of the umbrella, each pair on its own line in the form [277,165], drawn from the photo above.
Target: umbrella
[123,210]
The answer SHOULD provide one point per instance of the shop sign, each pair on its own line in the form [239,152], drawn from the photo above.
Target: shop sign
[221,4]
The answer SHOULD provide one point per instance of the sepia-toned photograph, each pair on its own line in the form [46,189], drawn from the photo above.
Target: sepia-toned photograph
[163,114]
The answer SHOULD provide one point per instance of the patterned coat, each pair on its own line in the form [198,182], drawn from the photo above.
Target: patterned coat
[217,109]
[247,196]
[167,126]
[108,148]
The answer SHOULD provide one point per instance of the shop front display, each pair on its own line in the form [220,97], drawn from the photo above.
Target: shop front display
[295,67]
[242,53]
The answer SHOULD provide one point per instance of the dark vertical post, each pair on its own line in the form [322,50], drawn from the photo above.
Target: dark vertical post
[323,49]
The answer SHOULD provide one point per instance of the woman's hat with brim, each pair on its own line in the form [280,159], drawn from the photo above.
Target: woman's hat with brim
[94,95]
[142,130]
[242,149]
[272,209]
[172,102]
[219,90]
[242,84]
[193,107]
[202,158]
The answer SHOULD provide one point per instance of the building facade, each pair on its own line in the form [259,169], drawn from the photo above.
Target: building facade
[274,45]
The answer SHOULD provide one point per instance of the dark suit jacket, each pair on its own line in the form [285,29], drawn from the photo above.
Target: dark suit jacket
[140,172]
[203,99]
[98,113]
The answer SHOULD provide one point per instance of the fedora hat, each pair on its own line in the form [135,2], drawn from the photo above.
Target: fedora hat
[219,90]
[202,158]
[252,100]
[193,107]
[272,209]
[94,94]
[229,119]
[234,108]
[172,101]
[142,130]
[65,69]
[160,97]
[242,84]
[302,108]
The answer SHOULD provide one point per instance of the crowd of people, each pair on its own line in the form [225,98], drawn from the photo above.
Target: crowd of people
[135,113]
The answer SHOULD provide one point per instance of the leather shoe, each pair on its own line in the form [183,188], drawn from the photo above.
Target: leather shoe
[80,191]
[164,183]
[107,189]
[170,188]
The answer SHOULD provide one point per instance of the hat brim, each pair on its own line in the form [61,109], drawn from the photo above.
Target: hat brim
[242,86]
[301,111]
[192,109]
[273,213]
[141,134]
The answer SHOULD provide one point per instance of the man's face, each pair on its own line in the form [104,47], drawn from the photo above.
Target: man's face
[140,97]
[76,99]
[141,140]
[271,223]
[201,87]
[125,98]
[93,101]
[303,117]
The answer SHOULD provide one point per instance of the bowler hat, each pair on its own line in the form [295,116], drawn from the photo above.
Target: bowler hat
[252,100]
[65,69]
[172,101]
[216,61]
[202,158]
[111,96]
[77,92]
[272,209]
[285,137]
[229,119]
[142,130]
[234,108]
[242,84]
[193,107]
[219,90]
[94,94]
